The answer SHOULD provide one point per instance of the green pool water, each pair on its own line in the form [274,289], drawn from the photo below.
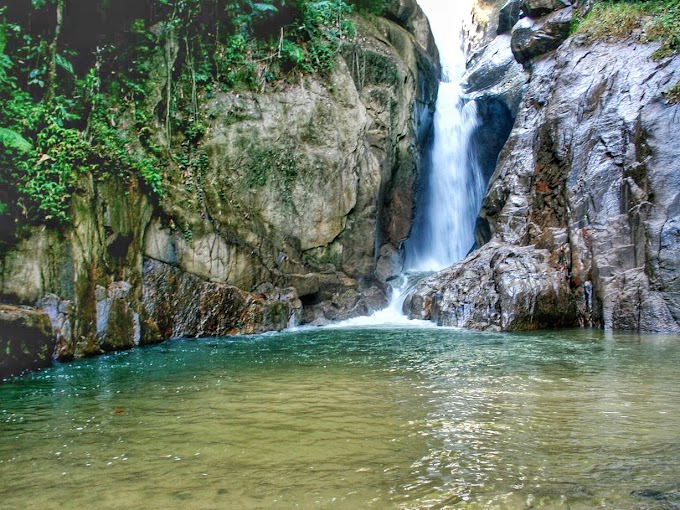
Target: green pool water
[352,418]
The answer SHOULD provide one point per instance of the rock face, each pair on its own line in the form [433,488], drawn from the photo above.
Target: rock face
[26,340]
[592,171]
[286,199]
[508,16]
[181,304]
[582,210]
[538,8]
[500,288]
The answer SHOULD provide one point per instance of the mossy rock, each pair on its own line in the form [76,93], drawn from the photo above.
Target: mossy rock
[26,340]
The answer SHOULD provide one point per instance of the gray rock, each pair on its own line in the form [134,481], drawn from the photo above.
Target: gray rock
[343,305]
[408,14]
[61,316]
[499,288]
[179,304]
[509,15]
[493,75]
[538,8]
[496,82]
[531,38]
[390,263]
[592,155]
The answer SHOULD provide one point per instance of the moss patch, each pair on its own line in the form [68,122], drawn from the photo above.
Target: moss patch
[268,162]
[673,94]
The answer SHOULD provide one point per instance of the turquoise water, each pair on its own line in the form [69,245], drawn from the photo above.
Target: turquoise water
[352,418]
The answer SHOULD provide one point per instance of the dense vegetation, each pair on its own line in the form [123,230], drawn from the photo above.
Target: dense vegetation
[74,86]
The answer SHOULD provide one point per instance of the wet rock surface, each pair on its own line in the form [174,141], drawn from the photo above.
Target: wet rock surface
[498,288]
[532,38]
[509,15]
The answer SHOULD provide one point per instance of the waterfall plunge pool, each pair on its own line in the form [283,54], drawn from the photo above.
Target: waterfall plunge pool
[352,418]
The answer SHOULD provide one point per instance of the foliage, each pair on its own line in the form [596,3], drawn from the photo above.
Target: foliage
[657,20]
[13,140]
[372,6]
[50,172]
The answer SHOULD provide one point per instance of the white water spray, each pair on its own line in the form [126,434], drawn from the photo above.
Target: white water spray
[443,230]
[390,316]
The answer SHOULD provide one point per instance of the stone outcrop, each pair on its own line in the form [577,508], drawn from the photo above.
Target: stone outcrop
[498,288]
[538,8]
[582,208]
[531,38]
[26,340]
[508,15]
[181,304]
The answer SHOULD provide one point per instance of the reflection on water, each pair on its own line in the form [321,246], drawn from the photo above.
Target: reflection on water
[352,418]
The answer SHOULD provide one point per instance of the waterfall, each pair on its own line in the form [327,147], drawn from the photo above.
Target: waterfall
[443,229]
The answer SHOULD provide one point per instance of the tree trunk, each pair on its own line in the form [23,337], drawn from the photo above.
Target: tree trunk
[52,54]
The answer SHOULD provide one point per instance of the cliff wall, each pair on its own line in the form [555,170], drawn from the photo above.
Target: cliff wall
[275,214]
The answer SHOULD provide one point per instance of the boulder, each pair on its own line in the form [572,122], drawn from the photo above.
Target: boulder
[343,305]
[498,288]
[26,340]
[538,8]
[531,38]
[390,263]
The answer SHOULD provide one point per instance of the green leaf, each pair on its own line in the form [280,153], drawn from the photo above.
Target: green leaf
[13,140]
[260,7]
[64,64]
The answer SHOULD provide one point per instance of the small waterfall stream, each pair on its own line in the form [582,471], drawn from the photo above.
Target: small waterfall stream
[443,229]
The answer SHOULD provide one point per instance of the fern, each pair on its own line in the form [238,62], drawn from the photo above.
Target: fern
[13,140]
[260,7]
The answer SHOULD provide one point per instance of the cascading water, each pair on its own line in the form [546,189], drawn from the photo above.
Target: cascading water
[443,229]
